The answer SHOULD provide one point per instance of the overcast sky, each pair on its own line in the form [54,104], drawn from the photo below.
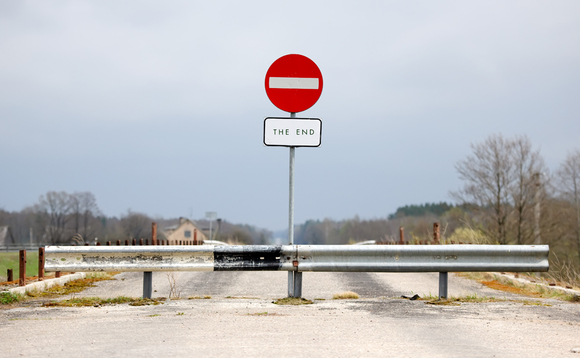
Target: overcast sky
[158,106]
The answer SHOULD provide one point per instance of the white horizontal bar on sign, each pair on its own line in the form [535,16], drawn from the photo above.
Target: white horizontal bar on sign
[293,83]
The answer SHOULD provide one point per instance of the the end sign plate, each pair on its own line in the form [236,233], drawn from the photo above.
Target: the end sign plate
[292,132]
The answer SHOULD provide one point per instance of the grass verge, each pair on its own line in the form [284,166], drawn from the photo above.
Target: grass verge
[502,283]
[72,287]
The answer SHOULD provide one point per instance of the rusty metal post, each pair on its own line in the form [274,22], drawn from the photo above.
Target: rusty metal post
[118,242]
[154,234]
[126,242]
[10,275]
[195,237]
[108,243]
[436,236]
[134,242]
[401,235]
[57,274]
[22,273]
[141,241]
[98,243]
[40,263]
[87,244]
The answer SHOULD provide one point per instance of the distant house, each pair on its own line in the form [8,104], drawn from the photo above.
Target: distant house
[184,233]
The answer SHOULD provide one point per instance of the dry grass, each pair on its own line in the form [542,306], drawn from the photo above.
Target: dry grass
[346,295]
[174,292]
[97,302]
[72,287]
[198,297]
[454,300]
[502,283]
[264,314]
[242,298]
[564,273]
[293,301]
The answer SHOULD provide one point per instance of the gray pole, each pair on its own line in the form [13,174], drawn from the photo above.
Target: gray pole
[443,284]
[294,277]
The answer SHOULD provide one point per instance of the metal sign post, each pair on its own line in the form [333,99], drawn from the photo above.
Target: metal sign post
[294,277]
[293,84]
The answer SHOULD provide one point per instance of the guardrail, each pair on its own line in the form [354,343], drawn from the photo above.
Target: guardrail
[300,258]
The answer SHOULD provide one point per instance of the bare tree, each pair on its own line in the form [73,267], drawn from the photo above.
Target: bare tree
[488,176]
[569,185]
[136,225]
[84,212]
[53,213]
[528,166]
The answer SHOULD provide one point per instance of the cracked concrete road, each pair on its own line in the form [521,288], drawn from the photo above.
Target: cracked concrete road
[241,320]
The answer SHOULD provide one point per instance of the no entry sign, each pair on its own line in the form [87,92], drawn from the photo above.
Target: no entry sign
[293,83]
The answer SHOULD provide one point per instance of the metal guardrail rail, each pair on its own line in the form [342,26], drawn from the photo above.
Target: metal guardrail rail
[302,258]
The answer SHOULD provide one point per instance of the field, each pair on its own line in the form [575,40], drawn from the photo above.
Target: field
[9,260]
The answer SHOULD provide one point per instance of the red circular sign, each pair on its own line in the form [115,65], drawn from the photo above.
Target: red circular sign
[293,83]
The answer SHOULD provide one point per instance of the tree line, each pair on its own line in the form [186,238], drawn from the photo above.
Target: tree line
[61,218]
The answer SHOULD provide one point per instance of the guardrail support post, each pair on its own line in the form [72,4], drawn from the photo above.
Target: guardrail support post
[294,284]
[297,284]
[443,284]
[10,275]
[290,283]
[147,284]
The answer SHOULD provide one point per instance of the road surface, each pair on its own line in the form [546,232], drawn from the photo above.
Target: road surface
[240,320]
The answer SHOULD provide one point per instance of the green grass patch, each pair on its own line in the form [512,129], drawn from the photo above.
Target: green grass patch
[293,301]
[10,260]
[7,298]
